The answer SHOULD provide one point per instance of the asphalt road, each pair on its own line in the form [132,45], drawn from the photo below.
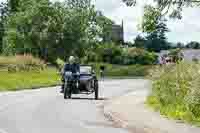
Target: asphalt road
[45,110]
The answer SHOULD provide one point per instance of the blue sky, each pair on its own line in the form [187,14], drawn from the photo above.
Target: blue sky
[184,30]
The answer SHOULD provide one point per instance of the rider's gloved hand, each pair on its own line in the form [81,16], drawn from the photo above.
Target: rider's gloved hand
[77,73]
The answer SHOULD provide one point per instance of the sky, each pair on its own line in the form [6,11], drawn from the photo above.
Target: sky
[185,30]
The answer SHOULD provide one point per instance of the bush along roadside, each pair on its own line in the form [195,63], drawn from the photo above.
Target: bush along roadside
[26,72]
[21,63]
[115,70]
[176,91]
[114,54]
[112,70]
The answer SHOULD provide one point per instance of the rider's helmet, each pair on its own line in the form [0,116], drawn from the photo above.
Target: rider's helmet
[72,59]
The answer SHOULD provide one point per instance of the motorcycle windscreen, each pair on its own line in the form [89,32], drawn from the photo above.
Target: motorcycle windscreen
[85,78]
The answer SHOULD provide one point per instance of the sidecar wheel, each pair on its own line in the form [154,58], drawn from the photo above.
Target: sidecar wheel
[69,94]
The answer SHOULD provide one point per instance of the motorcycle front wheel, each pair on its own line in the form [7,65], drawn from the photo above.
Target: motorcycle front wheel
[67,91]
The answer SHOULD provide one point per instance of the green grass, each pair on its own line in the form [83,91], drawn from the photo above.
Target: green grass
[173,111]
[123,70]
[28,80]
[176,92]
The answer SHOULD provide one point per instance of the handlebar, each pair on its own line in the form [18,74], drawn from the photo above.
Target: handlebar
[71,74]
[75,74]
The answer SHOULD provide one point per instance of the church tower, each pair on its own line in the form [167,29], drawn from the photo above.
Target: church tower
[122,32]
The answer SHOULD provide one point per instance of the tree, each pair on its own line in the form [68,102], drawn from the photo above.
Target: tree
[172,7]
[180,45]
[105,24]
[193,45]
[25,26]
[3,15]
[14,5]
[139,42]
[151,19]
[52,30]
[155,27]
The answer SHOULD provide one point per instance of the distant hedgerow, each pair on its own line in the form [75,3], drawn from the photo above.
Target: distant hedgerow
[21,63]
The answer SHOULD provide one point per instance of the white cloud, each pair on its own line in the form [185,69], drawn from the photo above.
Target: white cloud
[106,6]
[119,11]
[186,29]
[183,30]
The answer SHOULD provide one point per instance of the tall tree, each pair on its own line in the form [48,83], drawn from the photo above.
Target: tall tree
[14,5]
[52,30]
[172,7]
[105,25]
[139,42]
[180,45]
[193,45]
[151,19]
[155,28]
[4,11]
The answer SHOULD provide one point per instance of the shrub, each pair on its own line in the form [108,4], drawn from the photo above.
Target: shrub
[60,63]
[132,71]
[114,54]
[141,56]
[176,55]
[122,70]
[111,51]
[196,60]
[176,90]
[104,53]
[92,56]
[117,60]
[22,63]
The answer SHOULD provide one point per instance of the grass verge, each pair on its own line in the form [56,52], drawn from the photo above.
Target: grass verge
[176,92]
[28,80]
[112,70]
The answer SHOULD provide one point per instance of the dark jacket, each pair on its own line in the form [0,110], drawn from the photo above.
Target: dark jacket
[74,68]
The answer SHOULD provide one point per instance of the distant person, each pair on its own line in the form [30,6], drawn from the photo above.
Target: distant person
[71,66]
[168,60]
[162,60]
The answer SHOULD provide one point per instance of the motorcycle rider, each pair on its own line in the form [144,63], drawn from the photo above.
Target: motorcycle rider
[71,66]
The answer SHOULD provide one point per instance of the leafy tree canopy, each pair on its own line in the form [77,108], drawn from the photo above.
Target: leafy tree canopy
[193,45]
[171,7]
[139,42]
[153,24]
[52,30]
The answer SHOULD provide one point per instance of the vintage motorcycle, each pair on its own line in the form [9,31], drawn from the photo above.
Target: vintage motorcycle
[85,82]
